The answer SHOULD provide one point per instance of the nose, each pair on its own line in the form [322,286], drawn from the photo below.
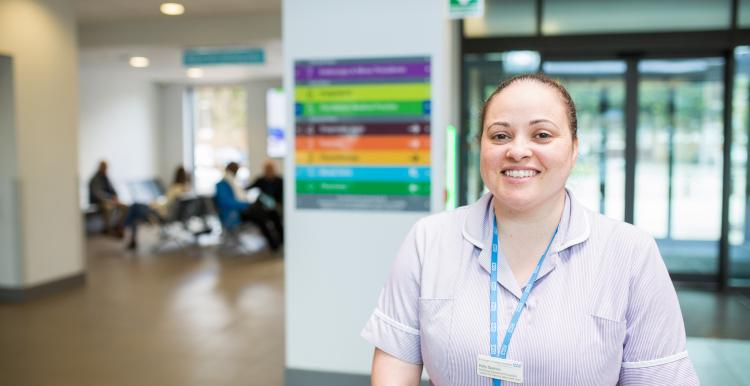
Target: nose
[518,149]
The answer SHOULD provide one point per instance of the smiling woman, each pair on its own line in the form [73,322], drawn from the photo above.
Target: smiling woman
[590,296]
[528,145]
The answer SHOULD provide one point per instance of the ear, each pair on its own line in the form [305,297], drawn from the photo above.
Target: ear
[575,150]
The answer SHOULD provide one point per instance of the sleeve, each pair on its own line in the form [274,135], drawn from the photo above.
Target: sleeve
[108,188]
[225,196]
[97,190]
[394,324]
[654,351]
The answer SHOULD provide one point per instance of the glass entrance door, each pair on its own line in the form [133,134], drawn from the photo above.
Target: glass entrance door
[678,183]
[676,131]
[598,90]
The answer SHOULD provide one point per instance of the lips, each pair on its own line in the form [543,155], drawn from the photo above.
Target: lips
[520,173]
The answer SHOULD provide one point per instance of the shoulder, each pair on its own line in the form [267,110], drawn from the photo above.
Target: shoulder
[622,233]
[222,184]
[621,246]
[439,236]
[442,222]
[176,189]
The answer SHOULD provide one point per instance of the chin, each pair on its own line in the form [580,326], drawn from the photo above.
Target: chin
[515,200]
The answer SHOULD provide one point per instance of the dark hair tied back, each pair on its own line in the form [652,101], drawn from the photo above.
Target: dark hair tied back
[543,79]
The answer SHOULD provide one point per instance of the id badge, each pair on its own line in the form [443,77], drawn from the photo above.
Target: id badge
[502,369]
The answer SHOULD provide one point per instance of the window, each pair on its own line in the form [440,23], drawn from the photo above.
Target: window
[220,134]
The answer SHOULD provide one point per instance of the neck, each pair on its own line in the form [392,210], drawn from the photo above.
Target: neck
[542,219]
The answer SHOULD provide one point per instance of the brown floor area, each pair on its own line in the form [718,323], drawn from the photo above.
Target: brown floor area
[197,318]
[188,318]
[711,314]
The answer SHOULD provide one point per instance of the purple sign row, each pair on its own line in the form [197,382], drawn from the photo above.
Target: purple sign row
[362,71]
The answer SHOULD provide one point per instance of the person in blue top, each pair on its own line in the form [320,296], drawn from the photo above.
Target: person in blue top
[234,210]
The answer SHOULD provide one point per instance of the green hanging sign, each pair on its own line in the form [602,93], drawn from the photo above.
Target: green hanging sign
[459,9]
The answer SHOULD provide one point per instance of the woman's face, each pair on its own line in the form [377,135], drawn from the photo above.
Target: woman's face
[527,149]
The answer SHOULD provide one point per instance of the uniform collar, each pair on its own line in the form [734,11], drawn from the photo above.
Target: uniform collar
[574,229]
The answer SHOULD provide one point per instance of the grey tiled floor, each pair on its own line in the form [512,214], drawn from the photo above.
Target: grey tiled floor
[721,362]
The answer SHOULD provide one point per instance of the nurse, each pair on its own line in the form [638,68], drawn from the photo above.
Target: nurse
[526,286]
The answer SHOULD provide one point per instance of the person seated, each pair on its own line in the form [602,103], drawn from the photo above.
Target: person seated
[233,209]
[104,196]
[165,208]
[180,203]
[271,185]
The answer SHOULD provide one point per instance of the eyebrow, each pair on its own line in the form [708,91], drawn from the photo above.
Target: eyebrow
[499,123]
[533,122]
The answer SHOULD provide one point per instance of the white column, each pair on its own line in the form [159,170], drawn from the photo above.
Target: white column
[337,261]
[40,38]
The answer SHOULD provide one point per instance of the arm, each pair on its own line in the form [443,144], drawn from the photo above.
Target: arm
[388,370]
[225,196]
[393,327]
[654,348]
[98,190]
[254,184]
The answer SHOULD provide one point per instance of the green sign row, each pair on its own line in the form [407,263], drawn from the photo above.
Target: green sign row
[364,187]
[349,109]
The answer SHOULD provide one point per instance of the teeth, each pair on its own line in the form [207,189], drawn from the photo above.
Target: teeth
[520,173]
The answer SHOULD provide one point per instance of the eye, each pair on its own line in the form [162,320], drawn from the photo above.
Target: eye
[544,135]
[499,136]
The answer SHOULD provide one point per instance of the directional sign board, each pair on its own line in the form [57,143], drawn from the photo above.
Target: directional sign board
[363,134]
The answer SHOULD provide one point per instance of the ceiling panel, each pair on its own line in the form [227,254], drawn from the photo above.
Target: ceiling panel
[93,11]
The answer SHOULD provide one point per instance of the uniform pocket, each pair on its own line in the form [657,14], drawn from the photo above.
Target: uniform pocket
[601,348]
[435,317]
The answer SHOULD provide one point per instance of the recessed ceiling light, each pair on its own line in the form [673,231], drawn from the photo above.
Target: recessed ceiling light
[195,73]
[172,9]
[139,61]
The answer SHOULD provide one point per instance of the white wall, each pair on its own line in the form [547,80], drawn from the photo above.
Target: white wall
[256,124]
[10,258]
[336,262]
[40,35]
[172,116]
[119,123]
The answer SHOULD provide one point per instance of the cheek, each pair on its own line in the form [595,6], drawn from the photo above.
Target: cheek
[489,156]
[488,161]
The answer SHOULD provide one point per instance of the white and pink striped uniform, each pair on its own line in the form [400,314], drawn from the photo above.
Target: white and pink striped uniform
[603,310]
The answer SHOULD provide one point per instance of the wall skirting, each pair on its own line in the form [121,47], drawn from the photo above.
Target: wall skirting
[29,293]
[296,377]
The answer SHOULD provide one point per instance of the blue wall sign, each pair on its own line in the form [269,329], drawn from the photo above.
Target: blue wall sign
[214,56]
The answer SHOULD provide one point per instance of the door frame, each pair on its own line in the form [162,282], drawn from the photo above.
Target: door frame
[632,48]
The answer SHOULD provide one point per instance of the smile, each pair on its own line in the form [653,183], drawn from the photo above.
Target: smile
[520,173]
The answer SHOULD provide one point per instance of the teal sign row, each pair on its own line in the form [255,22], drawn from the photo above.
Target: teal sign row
[214,56]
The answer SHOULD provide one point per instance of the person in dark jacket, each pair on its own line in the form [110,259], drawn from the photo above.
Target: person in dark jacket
[104,196]
[270,184]
[233,209]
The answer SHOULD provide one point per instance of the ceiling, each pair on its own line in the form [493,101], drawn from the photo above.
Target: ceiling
[166,65]
[166,59]
[94,11]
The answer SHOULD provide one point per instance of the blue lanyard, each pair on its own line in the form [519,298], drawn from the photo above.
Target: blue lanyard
[503,352]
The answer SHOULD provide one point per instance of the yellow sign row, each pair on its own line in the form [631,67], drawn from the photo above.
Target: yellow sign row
[398,157]
[363,92]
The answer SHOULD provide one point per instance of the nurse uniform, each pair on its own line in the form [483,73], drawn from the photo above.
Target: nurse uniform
[603,310]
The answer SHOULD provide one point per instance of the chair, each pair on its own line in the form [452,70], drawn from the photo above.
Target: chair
[177,224]
[232,228]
